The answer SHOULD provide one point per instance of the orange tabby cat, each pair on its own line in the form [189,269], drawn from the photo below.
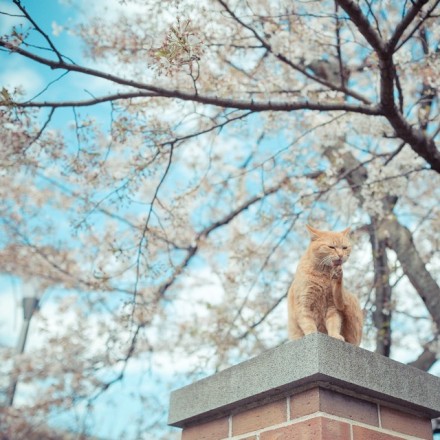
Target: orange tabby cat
[317,300]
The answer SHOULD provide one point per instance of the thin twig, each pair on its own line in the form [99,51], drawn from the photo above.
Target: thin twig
[44,126]
[38,29]
[394,154]
[146,224]
[289,63]
[338,45]
[407,20]
[48,85]
[417,26]
[370,9]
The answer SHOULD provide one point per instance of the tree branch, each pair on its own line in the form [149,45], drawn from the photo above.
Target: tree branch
[417,26]
[382,314]
[426,359]
[342,73]
[341,88]
[147,221]
[403,25]
[376,21]
[263,317]
[253,106]
[38,29]
[399,238]
[174,93]
[358,18]
[204,233]
[420,143]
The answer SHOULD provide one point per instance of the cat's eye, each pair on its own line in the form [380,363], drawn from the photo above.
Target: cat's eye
[344,247]
[332,247]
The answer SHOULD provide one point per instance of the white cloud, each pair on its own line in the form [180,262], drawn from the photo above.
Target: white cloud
[7,21]
[56,29]
[16,74]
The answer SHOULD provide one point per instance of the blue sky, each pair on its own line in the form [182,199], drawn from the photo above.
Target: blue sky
[118,408]
[15,70]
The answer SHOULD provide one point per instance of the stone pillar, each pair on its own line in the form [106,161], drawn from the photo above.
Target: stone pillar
[316,388]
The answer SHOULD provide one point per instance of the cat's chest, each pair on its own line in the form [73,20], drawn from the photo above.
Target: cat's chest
[321,283]
[320,293]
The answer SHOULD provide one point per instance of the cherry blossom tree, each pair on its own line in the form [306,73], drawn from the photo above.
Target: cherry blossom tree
[158,186]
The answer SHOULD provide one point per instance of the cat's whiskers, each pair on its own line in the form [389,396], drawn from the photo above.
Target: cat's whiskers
[326,261]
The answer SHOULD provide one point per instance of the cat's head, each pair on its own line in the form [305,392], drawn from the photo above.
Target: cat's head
[330,248]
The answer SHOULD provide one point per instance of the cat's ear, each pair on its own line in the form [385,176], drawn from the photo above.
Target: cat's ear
[346,231]
[314,233]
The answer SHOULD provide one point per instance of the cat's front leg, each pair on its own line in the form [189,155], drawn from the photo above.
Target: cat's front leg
[333,323]
[337,273]
[307,323]
[337,287]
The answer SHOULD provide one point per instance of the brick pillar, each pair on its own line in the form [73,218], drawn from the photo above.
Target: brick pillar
[317,388]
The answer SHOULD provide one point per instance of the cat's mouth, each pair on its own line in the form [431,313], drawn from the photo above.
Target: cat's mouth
[337,262]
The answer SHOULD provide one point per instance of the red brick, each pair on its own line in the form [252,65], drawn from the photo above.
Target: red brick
[348,407]
[405,423]
[335,430]
[304,403]
[332,402]
[259,417]
[318,428]
[215,430]
[361,433]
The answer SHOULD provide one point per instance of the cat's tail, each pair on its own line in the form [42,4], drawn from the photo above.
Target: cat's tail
[353,320]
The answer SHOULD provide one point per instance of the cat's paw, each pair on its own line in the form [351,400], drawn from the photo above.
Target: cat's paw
[336,273]
[340,337]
